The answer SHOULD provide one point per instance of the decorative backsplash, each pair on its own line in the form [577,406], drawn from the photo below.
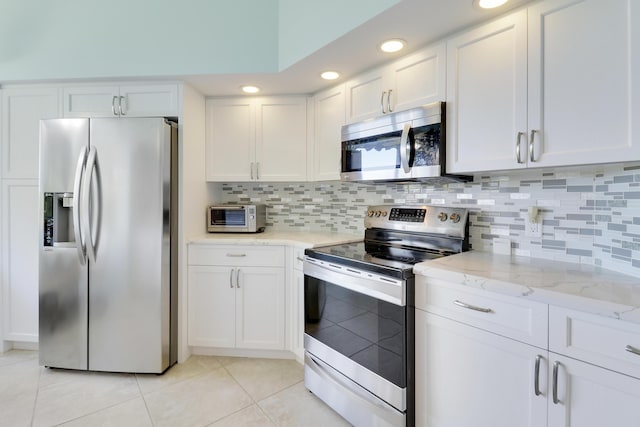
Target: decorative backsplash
[589,215]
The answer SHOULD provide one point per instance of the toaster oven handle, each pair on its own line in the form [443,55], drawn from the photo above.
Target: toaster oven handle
[406,148]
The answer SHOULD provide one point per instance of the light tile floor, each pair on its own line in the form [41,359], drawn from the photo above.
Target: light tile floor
[203,391]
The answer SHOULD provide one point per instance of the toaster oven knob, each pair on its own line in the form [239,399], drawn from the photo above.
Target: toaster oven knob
[455,217]
[442,216]
[369,213]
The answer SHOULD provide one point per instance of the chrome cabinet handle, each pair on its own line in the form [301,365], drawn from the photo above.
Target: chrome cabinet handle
[472,307]
[536,378]
[251,167]
[236,255]
[257,171]
[113,106]
[300,259]
[518,138]
[632,349]
[231,278]
[556,364]
[531,156]
[382,102]
[238,278]
[120,101]
[389,109]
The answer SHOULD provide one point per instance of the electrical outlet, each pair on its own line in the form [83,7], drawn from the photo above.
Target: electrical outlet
[533,229]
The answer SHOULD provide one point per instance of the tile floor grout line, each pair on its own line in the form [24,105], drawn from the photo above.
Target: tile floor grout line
[146,407]
[35,400]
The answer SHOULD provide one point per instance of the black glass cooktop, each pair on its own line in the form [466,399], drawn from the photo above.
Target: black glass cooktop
[390,261]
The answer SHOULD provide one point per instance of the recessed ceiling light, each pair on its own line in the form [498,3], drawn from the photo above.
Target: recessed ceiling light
[250,89]
[488,4]
[330,75]
[392,45]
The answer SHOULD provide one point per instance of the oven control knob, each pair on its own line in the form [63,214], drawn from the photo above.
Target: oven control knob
[369,214]
[442,216]
[378,213]
[455,217]
[384,213]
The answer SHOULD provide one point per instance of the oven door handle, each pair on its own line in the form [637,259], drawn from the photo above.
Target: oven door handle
[389,290]
[324,371]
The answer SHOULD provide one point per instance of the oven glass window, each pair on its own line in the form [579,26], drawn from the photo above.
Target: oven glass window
[369,331]
[228,217]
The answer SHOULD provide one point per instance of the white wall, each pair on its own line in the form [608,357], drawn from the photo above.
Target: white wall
[43,39]
[194,196]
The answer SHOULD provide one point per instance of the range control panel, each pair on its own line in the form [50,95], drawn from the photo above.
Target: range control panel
[427,219]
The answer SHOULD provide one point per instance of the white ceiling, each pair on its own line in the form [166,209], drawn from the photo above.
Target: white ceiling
[419,22]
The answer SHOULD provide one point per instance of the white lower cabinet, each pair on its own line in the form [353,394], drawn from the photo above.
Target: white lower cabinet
[469,377]
[475,366]
[296,304]
[234,300]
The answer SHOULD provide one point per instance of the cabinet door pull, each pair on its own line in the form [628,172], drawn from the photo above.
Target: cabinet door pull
[251,168]
[472,307]
[531,156]
[382,102]
[536,379]
[518,138]
[300,259]
[236,255]
[238,278]
[632,349]
[258,171]
[556,364]
[231,278]
[389,109]
[113,106]
[121,101]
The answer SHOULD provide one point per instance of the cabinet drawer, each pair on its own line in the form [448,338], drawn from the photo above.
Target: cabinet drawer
[511,317]
[257,256]
[595,339]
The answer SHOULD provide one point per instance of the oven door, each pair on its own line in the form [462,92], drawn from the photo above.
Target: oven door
[356,340]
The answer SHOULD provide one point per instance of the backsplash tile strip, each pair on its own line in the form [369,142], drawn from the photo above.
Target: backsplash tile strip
[589,215]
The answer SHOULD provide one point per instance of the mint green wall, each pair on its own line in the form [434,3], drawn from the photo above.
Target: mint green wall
[44,39]
[50,40]
[308,25]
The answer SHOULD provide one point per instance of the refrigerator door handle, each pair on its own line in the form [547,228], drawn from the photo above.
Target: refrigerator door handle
[77,208]
[86,197]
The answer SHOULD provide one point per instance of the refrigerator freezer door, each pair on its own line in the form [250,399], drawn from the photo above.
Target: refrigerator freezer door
[129,293]
[63,279]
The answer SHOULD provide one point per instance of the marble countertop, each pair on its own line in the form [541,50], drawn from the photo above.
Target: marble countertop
[576,286]
[302,239]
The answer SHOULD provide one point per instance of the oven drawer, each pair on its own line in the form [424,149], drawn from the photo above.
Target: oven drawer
[237,255]
[515,318]
[602,341]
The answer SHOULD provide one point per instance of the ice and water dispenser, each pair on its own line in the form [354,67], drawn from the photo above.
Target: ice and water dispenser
[58,219]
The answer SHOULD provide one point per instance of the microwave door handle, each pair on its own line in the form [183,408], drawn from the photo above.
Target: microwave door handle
[405,149]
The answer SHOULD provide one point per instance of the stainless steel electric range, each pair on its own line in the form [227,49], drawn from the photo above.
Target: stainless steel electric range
[359,311]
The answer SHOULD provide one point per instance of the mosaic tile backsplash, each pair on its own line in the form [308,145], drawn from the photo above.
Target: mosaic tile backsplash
[589,215]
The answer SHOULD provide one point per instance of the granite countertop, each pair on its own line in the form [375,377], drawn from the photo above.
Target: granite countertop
[302,239]
[576,286]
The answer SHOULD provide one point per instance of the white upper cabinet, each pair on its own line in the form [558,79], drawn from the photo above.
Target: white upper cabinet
[546,86]
[256,139]
[155,100]
[329,119]
[583,106]
[412,81]
[487,96]
[22,110]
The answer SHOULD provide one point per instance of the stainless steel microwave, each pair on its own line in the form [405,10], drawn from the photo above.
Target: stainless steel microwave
[407,145]
[236,218]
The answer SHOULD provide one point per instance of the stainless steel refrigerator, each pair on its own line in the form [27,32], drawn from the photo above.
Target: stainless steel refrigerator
[108,244]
